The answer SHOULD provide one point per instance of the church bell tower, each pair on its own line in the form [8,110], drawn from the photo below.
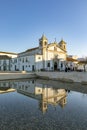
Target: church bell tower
[62,45]
[43,42]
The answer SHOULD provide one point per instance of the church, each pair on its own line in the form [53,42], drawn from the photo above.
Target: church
[47,56]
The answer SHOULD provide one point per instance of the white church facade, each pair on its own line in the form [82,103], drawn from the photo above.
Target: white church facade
[47,56]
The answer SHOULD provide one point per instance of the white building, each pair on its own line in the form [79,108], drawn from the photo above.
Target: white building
[72,62]
[47,56]
[82,66]
[5,58]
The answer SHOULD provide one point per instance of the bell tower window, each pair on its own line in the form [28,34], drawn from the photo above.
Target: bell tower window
[64,46]
[45,43]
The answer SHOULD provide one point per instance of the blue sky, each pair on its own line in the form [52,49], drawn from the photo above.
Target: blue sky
[22,23]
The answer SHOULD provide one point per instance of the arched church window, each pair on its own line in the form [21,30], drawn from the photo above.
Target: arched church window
[45,43]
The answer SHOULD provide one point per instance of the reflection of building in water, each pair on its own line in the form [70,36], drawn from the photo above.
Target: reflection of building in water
[45,94]
[5,87]
[51,96]
[5,84]
[26,85]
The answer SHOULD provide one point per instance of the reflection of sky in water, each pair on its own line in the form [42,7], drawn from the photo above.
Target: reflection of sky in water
[20,112]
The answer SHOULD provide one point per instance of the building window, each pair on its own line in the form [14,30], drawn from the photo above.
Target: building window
[4,62]
[26,59]
[11,60]
[64,46]
[15,60]
[33,81]
[23,60]
[38,57]
[22,87]
[45,105]
[48,65]
[26,87]
[45,43]
[38,90]
[10,65]
[15,67]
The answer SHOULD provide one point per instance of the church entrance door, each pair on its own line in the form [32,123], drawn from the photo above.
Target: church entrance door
[55,65]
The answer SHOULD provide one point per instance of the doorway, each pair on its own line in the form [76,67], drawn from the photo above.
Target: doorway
[23,67]
[33,68]
[15,68]
[55,65]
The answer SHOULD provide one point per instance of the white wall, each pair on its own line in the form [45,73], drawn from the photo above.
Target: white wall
[38,62]
[26,65]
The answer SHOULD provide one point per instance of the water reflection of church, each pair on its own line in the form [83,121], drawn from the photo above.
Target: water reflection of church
[46,95]
[53,97]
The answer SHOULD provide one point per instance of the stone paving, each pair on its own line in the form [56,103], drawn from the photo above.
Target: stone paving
[65,76]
